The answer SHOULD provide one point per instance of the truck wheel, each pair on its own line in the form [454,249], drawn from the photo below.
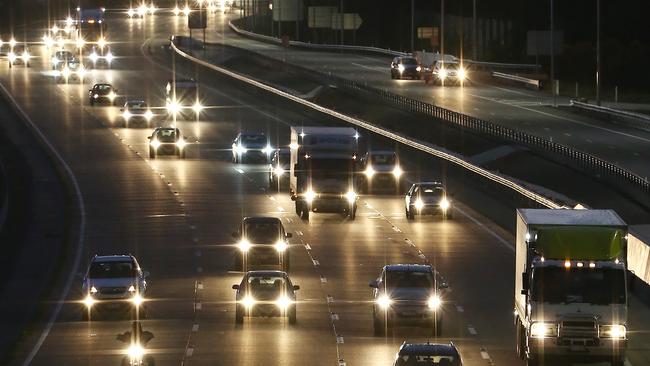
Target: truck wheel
[521,340]
[293,317]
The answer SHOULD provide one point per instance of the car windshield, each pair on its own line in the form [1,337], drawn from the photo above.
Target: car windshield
[450,65]
[409,61]
[136,105]
[559,285]
[102,88]
[429,190]
[262,232]
[267,285]
[383,159]
[166,135]
[253,139]
[425,360]
[113,269]
[401,279]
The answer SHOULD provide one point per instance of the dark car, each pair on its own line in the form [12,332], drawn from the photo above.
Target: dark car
[166,141]
[428,354]
[279,168]
[405,67]
[262,241]
[136,110]
[251,146]
[427,198]
[102,93]
[265,294]
[18,55]
[407,294]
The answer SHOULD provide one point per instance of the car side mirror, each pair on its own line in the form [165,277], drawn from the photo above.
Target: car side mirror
[289,235]
[146,274]
[148,137]
[296,287]
[373,284]
[235,287]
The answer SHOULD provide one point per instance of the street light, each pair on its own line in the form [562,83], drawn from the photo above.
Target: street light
[598,52]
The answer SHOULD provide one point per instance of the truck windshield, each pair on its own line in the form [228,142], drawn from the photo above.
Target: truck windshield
[387,159]
[558,285]
[330,168]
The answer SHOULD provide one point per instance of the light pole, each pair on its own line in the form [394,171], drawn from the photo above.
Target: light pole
[598,52]
[474,32]
[412,25]
[442,30]
[553,57]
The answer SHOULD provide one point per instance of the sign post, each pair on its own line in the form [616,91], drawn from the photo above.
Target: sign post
[197,19]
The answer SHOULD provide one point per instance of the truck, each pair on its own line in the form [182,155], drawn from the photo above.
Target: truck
[181,95]
[323,162]
[570,286]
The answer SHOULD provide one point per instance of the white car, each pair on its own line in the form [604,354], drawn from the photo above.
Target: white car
[249,146]
[136,110]
[427,198]
[114,283]
[381,171]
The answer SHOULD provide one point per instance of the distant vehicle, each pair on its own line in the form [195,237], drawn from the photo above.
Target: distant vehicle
[91,24]
[428,354]
[427,198]
[322,170]
[446,73]
[102,92]
[72,69]
[166,141]
[262,241]
[182,95]
[267,294]
[571,297]
[136,110]
[405,67]
[407,294]
[279,168]
[251,146]
[114,282]
[101,56]
[61,58]
[19,55]
[380,171]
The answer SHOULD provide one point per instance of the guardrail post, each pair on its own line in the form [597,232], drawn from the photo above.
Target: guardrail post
[616,94]
[577,94]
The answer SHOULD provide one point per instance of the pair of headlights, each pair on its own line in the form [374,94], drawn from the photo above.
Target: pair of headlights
[370,172]
[175,108]
[156,144]
[310,196]
[433,303]
[551,330]
[25,56]
[136,299]
[444,204]
[444,74]
[148,115]
[283,302]
[280,246]
[186,10]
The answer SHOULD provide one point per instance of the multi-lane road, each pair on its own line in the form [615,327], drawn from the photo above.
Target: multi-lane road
[176,216]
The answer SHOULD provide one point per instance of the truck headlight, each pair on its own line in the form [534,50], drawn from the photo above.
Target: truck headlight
[248,302]
[155,143]
[418,69]
[384,302]
[616,331]
[397,172]
[109,57]
[244,245]
[283,302]
[131,288]
[444,204]
[66,72]
[135,351]
[173,107]
[310,196]
[93,57]
[419,204]
[369,172]
[89,301]
[12,57]
[351,196]
[267,150]
[26,56]
[197,107]
[130,12]
[137,300]
[543,330]
[442,74]
[148,115]
[281,246]
[434,302]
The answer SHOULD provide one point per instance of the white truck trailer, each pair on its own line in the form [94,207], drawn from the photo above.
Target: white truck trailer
[570,286]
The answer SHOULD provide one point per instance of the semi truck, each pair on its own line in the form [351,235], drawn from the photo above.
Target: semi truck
[570,286]
[322,170]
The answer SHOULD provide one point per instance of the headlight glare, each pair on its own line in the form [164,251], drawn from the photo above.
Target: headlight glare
[310,196]
[369,172]
[127,115]
[137,300]
[89,301]
[397,172]
[283,302]
[444,204]
[616,331]
[351,196]
[131,288]
[434,302]
[135,351]
[248,302]
[281,246]
[384,302]
[442,74]
[419,204]
[462,73]
[148,114]
[543,330]
[400,67]
[244,245]
[155,143]
[181,143]
[278,171]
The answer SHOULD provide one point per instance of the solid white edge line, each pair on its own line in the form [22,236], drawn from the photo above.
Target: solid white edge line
[82,228]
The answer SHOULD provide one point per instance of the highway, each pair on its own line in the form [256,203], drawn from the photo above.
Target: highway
[177,216]
[517,108]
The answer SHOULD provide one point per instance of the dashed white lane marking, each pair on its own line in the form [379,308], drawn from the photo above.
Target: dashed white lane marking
[460,309]
[289,220]
[340,340]
[307,247]
[199,286]
[342,363]
[330,299]
[189,352]
[396,229]
[334,316]
[198,306]
[316,262]
[299,232]
[239,171]
[323,280]
[485,355]
[195,327]
[472,330]
[280,209]
[272,198]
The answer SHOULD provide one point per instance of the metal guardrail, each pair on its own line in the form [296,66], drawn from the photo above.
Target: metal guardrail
[611,112]
[532,82]
[408,141]
[388,52]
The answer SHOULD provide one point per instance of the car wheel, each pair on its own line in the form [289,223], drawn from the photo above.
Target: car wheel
[379,327]
[85,315]
[239,316]
[293,317]
[152,154]
[410,215]
[353,212]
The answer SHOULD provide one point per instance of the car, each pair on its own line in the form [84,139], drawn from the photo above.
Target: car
[265,294]
[408,294]
[166,141]
[262,241]
[102,92]
[19,55]
[72,69]
[61,58]
[251,146]
[403,66]
[446,73]
[427,198]
[101,56]
[279,168]
[136,110]
[381,171]
[114,282]
[428,354]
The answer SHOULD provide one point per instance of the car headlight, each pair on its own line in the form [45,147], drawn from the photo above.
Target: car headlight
[89,301]
[462,74]
[444,204]
[442,74]
[397,172]
[130,12]
[400,67]
[93,57]
[434,302]
[26,56]
[155,143]
[281,246]
[244,245]
[135,351]
[384,302]
[351,196]
[369,172]
[66,71]
[142,9]
[177,11]
[197,107]
[278,171]
[181,143]
[283,302]
[267,150]
[418,69]
[310,196]
[81,71]
[186,10]
[240,149]
[109,57]
[55,61]
[131,288]
[93,290]
[80,43]
[543,330]
[173,107]
[248,302]
[12,57]
[137,300]
[419,204]
[111,96]
[127,115]
[101,42]
[616,331]
[95,96]
[148,114]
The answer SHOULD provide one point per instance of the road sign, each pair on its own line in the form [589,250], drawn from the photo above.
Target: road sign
[287,10]
[320,16]
[349,21]
[435,37]
[198,19]
[425,32]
